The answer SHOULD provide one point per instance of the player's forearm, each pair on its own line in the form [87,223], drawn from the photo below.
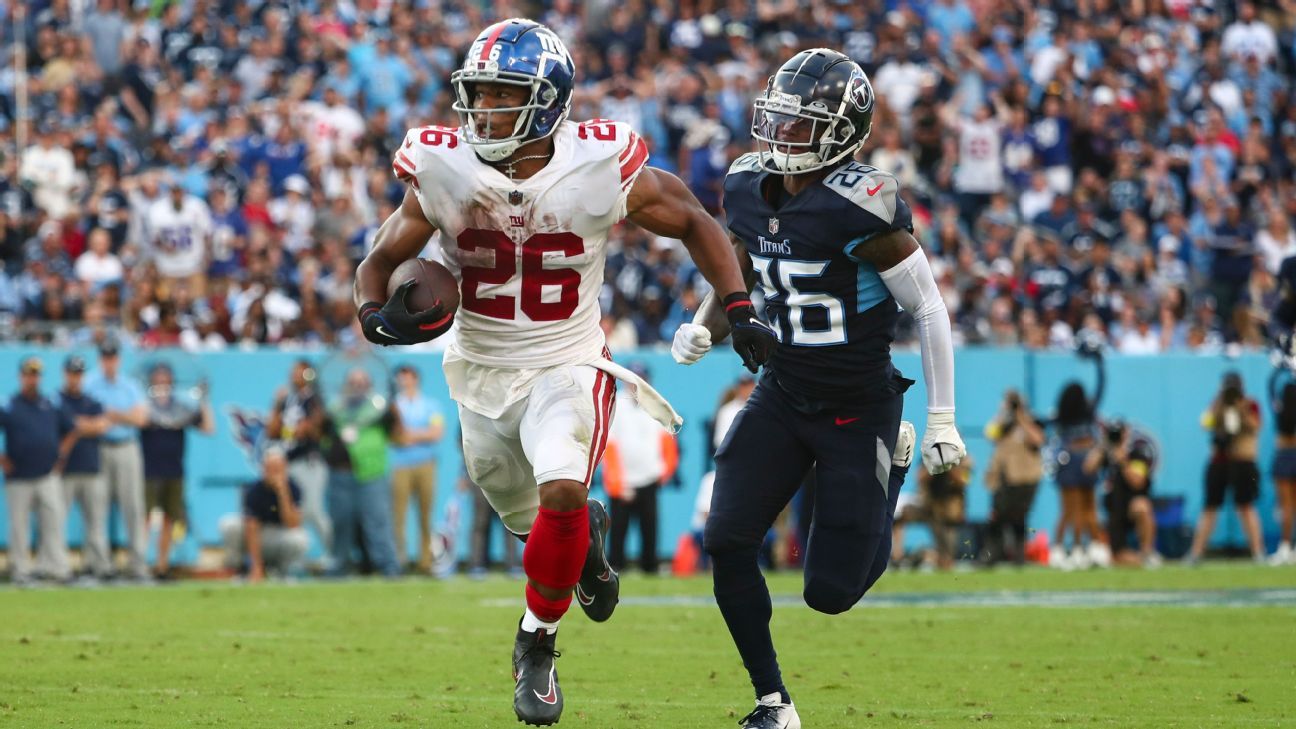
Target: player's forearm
[710,250]
[913,286]
[376,269]
[401,237]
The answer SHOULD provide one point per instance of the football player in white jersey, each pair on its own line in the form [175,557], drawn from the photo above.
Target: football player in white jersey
[524,200]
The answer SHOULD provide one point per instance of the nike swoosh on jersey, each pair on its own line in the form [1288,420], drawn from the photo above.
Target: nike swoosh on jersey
[551,696]
[874,190]
[844,421]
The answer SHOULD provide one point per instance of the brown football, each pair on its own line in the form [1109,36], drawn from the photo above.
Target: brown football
[433,283]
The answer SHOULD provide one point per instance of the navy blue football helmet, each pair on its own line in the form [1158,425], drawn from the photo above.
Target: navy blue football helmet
[524,53]
[817,110]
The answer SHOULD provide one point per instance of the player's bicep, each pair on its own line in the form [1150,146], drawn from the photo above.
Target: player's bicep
[405,232]
[885,251]
[661,203]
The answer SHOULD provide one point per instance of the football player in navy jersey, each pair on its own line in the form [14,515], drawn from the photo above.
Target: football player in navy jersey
[830,243]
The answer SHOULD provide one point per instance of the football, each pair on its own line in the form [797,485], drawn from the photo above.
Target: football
[434,283]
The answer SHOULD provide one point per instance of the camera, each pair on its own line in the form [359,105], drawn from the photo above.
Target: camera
[1115,433]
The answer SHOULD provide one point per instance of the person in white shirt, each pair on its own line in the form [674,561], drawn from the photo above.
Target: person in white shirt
[178,228]
[1248,36]
[98,265]
[979,174]
[48,167]
[641,455]
[1136,334]
[334,126]
[1277,241]
[294,214]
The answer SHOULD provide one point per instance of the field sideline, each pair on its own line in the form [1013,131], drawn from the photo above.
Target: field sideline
[435,654]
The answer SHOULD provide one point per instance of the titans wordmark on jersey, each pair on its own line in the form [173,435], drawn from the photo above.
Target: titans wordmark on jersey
[834,315]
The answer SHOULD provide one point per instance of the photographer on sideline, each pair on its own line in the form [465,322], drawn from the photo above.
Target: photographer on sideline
[1233,420]
[1014,473]
[1129,458]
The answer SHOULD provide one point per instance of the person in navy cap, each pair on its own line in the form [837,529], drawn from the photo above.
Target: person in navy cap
[83,478]
[33,428]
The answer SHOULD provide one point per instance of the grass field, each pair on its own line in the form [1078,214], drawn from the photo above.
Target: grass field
[435,654]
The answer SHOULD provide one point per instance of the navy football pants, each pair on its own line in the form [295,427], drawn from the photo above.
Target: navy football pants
[759,467]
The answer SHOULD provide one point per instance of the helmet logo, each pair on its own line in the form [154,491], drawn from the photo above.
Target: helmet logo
[552,50]
[858,91]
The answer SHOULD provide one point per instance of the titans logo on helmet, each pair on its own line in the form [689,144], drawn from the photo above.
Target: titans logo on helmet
[859,92]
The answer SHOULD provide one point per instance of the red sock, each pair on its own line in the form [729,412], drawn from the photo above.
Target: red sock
[553,557]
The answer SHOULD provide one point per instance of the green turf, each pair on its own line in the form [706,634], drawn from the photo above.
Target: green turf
[429,654]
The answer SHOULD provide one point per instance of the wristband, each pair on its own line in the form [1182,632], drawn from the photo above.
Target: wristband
[366,309]
[737,306]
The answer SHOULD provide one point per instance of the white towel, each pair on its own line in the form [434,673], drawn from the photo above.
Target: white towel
[649,399]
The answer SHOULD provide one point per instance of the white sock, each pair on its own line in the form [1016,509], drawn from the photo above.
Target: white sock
[530,623]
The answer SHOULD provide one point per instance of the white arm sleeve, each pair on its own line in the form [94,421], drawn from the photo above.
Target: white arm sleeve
[912,284]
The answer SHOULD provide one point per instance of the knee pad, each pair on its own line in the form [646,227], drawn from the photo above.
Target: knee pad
[507,490]
[829,598]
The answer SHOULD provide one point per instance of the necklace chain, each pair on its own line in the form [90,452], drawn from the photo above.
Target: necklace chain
[510,168]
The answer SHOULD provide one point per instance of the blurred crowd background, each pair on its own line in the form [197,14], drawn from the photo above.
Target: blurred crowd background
[1121,172]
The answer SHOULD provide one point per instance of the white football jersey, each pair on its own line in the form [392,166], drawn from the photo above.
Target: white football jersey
[529,255]
[178,238]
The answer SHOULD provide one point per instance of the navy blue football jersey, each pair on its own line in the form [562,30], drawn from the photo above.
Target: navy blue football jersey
[834,315]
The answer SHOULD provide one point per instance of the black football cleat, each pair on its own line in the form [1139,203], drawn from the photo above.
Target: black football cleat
[599,588]
[537,700]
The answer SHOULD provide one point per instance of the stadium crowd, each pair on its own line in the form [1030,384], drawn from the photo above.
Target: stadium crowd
[1122,171]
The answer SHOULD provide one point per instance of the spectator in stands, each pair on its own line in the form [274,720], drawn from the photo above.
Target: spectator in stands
[33,428]
[126,409]
[640,457]
[1013,475]
[48,168]
[267,535]
[178,228]
[83,477]
[297,421]
[413,465]
[171,413]
[1233,421]
[99,266]
[359,427]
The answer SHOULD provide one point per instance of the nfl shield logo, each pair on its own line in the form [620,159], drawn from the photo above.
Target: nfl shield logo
[773,226]
[515,197]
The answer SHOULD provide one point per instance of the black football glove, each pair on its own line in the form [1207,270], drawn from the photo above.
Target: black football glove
[393,322]
[752,338]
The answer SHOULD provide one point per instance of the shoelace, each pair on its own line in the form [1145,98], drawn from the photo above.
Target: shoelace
[760,712]
[540,647]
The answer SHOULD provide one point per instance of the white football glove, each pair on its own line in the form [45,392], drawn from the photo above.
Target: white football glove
[691,343]
[942,448]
